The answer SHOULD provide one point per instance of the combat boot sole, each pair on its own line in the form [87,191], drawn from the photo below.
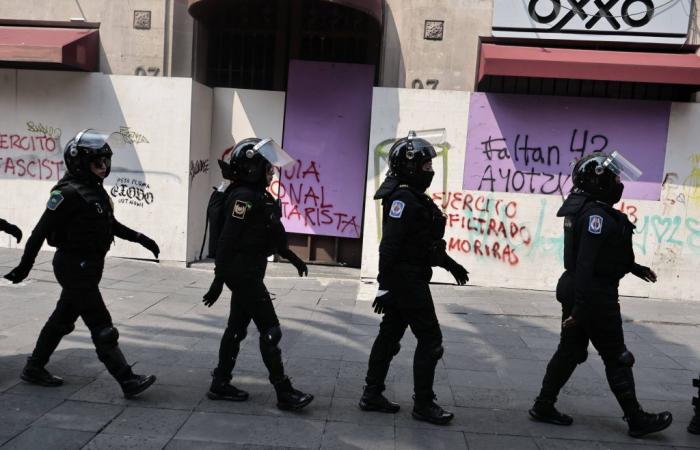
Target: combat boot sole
[148,382]
[241,397]
[694,427]
[389,409]
[564,421]
[431,419]
[295,406]
[659,427]
[54,381]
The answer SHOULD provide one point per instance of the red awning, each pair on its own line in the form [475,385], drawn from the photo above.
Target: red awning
[539,62]
[72,47]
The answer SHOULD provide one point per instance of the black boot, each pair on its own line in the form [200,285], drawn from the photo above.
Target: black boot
[641,423]
[429,411]
[373,400]
[36,374]
[222,389]
[133,384]
[544,411]
[290,399]
[694,426]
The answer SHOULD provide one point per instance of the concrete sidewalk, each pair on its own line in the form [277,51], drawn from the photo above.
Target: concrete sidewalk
[497,344]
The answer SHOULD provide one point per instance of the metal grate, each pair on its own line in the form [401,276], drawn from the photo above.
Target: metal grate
[250,42]
[586,88]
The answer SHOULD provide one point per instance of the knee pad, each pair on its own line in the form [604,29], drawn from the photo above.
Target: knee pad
[626,359]
[106,337]
[271,337]
[61,329]
[239,335]
[581,357]
[436,352]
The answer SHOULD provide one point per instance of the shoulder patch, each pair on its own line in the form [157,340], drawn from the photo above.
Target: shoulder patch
[595,224]
[396,209]
[239,209]
[55,200]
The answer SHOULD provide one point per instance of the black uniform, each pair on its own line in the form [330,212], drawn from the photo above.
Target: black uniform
[694,426]
[11,229]
[79,221]
[241,260]
[253,231]
[412,231]
[597,254]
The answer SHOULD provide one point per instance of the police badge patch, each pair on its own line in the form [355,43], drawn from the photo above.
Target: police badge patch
[595,224]
[239,209]
[396,209]
[55,200]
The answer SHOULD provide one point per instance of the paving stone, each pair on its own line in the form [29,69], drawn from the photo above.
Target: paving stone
[49,438]
[411,438]
[147,422]
[104,441]
[339,435]
[240,429]
[82,416]
[489,442]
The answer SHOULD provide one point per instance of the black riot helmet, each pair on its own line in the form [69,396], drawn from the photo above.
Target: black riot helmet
[599,175]
[406,159]
[86,147]
[251,159]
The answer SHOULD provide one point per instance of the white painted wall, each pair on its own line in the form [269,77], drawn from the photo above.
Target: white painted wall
[200,165]
[668,231]
[156,158]
[240,114]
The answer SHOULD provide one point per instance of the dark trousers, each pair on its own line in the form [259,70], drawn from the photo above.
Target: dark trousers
[79,277]
[424,325]
[602,327]
[250,300]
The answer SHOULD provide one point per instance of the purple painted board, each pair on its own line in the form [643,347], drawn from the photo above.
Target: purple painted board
[523,143]
[326,129]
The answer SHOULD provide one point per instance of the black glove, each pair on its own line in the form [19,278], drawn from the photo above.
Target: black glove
[458,271]
[300,266]
[296,261]
[383,301]
[149,244]
[18,274]
[644,273]
[14,231]
[214,292]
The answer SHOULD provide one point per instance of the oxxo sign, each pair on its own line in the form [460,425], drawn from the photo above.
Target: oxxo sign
[654,21]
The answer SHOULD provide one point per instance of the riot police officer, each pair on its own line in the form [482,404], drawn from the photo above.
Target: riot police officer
[253,231]
[79,221]
[12,230]
[597,254]
[412,231]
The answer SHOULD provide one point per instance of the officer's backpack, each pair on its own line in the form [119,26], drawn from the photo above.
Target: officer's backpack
[216,217]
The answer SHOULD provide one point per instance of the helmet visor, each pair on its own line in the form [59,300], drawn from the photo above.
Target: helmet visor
[273,153]
[622,167]
[95,140]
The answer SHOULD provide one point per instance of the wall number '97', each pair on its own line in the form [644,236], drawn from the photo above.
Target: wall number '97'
[431,83]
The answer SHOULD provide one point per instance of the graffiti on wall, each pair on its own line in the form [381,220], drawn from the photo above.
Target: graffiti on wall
[132,192]
[29,156]
[486,226]
[304,195]
[44,130]
[131,137]
[527,144]
[197,167]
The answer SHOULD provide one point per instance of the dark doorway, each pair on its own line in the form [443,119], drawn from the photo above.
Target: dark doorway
[248,43]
